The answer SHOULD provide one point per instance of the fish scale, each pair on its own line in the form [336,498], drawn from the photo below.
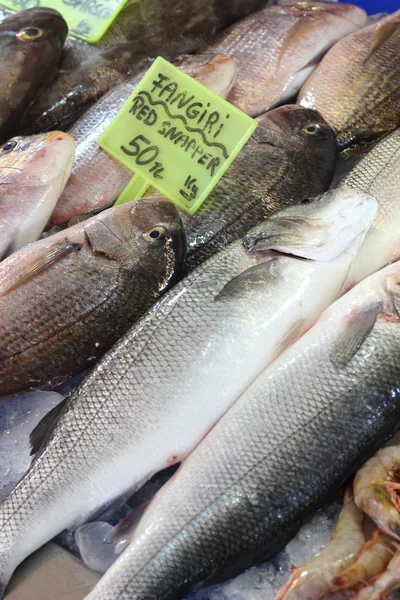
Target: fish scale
[271,460]
[273,57]
[360,97]
[155,395]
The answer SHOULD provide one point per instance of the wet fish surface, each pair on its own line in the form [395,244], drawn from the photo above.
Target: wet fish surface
[290,157]
[33,173]
[356,86]
[30,49]
[378,173]
[66,299]
[88,189]
[139,32]
[286,445]
[199,347]
[276,49]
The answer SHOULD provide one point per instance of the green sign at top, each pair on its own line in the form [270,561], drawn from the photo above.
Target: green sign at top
[86,19]
[176,135]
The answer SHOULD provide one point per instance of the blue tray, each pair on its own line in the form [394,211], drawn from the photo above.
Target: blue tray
[377,6]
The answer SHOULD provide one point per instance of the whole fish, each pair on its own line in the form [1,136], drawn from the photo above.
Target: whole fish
[356,86]
[276,49]
[87,189]
[67,299]
[30,49]
[378,173]
[143,29]
[33,173]
[158,392]
[286,446]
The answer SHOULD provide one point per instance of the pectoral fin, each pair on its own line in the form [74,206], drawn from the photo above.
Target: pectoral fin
[383,33]
[43,430]
[256,277]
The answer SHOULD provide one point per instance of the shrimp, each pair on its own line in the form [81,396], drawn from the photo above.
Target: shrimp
[313,580]
[372,559]
[385,587]
[376,490]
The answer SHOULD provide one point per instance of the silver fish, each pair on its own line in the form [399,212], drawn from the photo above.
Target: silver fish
[167,382]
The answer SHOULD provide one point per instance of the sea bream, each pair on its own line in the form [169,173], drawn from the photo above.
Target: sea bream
[65,300]
[199,348]
[303,427]
[30,48]
[88,188]
[356,86]
[141,30]
[276,49]
[33,173]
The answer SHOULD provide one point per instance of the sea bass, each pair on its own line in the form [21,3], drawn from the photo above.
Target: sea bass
[199,348]
[356,87]
[286,446]
[67,299]
[378,173]
[88,188]
[276,49]
[30,49]
[142,30]
[33,173]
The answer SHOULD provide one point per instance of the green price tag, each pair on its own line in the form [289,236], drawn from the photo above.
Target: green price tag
[87,20]
[176,135]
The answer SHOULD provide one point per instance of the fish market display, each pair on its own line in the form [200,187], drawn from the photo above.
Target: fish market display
[88,190]
[290,157]
[356,86]
[30,49]
[378,173]
[143,29]
[292,438]
[65,300]
[199,348]
[33,173]
[276,49]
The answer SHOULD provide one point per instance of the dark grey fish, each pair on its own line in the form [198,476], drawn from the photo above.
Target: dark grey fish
[30,49]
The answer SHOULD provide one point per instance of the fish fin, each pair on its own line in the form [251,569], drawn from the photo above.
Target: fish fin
[383,33]
[291,40]
[41,433]
[48,257]
[358,328]
[250,280]
[292,335]
[102,240]
[122,534]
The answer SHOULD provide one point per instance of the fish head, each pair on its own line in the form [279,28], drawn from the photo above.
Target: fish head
[35,29]
[151,235]
[36,160]
[216,71]
[305,141]
[319,229]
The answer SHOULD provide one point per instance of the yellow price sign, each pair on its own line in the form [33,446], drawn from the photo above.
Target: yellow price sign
[87,20]
[176,135]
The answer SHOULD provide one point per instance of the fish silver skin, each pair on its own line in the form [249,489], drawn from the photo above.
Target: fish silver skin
[30,49]
[142,30]
[65,300]
[88,189]
[304,426]
[378,173]
[356,86]
[202,345]
[33,173]
[276,49]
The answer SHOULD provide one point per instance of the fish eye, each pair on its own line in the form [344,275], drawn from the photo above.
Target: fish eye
[311,129]
[176,61]
[8,146]
[155,234]
[30,33]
